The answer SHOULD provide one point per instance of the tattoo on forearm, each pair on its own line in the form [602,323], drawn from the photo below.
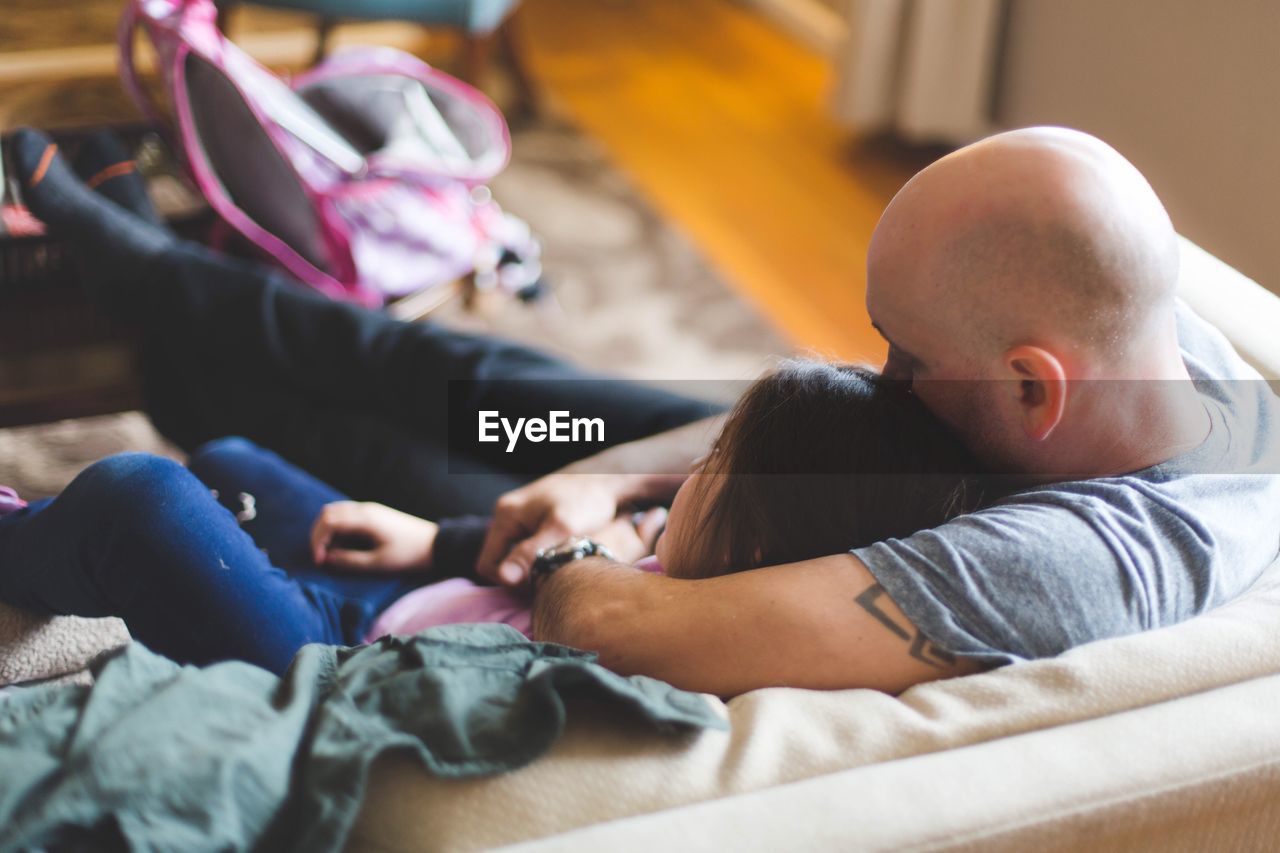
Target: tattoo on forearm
[922,649]
[868,603]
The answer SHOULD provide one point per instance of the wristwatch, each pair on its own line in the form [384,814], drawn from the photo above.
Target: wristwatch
[550,559]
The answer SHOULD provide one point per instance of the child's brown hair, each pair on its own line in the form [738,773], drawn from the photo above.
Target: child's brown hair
[818,458]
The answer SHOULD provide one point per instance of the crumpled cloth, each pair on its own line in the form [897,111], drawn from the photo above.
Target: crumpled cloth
[157,756]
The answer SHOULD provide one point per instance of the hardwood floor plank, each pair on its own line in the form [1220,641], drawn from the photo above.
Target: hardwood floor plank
[722,121]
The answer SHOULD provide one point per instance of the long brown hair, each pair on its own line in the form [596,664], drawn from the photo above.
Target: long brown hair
[818,458]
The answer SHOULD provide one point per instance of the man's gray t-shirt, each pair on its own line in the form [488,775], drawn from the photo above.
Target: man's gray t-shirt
[1054,566]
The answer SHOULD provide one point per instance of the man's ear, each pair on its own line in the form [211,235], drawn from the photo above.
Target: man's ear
[1042,389]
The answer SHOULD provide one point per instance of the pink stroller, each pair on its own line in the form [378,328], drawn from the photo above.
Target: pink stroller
[364,177]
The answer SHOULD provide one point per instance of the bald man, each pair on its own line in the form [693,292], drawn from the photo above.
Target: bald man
[1025,285]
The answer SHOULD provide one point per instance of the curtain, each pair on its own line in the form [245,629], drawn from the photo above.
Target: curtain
[924,69]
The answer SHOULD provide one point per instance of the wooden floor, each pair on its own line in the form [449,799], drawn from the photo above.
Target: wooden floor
[717,116]
[722,121]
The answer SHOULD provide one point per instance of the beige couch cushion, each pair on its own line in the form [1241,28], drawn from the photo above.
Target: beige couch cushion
[1199,773]
[1244,311]
[603,771]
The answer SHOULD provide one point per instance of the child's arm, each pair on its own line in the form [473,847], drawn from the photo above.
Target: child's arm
[457,547]
[367,536]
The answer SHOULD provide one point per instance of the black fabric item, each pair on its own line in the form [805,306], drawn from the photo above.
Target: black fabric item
[230,757]
[365,455]
[457,546]
[107,167]
[114,242]
[351,395]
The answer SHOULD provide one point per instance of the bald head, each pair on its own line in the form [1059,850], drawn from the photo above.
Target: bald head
[1042,235]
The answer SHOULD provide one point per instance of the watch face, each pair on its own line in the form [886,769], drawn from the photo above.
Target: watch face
[580,543]
[578,548]
[574,549]
[567,552]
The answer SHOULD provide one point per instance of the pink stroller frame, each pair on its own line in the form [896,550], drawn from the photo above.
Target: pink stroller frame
[363,178]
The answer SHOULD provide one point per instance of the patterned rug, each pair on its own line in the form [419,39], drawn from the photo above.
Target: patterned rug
[630,294]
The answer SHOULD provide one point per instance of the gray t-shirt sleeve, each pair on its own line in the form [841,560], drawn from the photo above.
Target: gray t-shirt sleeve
[1059,565]
[1029,578]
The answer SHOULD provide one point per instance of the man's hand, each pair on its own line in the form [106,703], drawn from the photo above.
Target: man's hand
[584,497]
[542,514]
[392,541]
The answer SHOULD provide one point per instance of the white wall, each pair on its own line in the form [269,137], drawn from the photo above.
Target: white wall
[1189,90]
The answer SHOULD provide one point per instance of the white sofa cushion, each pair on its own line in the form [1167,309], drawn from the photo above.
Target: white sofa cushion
[1247,313]
[605,771]
[1200,773]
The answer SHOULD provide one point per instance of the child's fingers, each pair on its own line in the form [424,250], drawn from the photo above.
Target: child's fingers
[321,533]
[622,538]
[335,518]
[649,525]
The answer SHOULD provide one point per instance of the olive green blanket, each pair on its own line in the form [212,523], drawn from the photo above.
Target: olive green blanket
[156,756]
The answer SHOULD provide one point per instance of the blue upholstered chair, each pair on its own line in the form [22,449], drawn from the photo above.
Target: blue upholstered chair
[481,23]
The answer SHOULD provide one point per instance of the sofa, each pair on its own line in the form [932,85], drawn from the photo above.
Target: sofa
[1168,739]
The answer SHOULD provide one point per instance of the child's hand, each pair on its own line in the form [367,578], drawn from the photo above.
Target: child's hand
[393,541]
[631,538]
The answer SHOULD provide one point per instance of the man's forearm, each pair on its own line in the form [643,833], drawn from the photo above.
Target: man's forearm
[573,603]
[651,469]
[818,624]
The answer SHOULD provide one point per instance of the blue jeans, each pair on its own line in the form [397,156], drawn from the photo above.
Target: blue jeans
[143,538]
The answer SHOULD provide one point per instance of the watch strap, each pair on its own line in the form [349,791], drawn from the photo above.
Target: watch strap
[548,560]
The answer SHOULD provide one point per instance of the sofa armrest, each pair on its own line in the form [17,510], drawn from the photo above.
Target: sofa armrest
[1202,772]
[1247,313]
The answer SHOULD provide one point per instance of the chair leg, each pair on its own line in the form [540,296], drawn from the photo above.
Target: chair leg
[476,51]
[513,53]
[324,30]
